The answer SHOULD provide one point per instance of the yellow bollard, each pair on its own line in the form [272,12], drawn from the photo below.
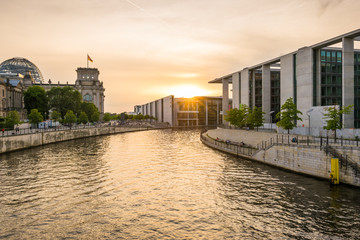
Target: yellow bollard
[334,175]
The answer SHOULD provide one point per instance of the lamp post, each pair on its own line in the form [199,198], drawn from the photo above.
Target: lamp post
[308,114]
[271,119]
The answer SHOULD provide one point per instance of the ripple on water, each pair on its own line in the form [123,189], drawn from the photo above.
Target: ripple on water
[163,185]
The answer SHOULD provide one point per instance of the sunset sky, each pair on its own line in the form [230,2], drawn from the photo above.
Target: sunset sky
[148,49]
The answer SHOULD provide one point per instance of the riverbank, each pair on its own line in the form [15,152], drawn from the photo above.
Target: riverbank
[40,138]
[302,155]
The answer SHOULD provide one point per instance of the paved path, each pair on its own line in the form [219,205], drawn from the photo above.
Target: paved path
[249,137]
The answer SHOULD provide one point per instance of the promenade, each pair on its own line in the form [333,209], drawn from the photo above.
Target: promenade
[248,137]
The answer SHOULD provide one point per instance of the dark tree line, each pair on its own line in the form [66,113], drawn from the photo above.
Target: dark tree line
[62,101]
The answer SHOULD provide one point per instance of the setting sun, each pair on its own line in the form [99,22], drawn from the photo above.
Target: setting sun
[189,91]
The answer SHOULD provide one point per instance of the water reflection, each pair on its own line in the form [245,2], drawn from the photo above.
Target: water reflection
[163,185]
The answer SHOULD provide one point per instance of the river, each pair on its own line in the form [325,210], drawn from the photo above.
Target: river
[164,184]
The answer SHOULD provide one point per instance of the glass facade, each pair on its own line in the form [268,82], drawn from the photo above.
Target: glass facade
[331,77]
[258,89]
[251,75]
[357,90]
[275,94]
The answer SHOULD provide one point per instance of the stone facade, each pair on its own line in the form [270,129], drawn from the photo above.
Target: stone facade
[11,88]
[87,83]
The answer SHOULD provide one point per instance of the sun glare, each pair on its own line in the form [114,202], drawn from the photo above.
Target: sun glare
[189,91]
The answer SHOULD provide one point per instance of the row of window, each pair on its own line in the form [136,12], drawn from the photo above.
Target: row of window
[331,56]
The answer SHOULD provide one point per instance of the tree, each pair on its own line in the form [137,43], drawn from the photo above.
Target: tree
[88,108]
[35,117]
[95,117]
[55,115]
[83,118]
[288,115]
[256,118]
[237,117]
[63,99]
[35,97]
[12,119]
[107,117]
[334,115]
[70,117]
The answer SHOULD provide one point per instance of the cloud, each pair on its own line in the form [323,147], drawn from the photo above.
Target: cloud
[327,5]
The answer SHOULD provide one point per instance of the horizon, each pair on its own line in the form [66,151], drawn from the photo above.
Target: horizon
[147,50]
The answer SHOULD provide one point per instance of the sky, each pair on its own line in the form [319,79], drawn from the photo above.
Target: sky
[149,49]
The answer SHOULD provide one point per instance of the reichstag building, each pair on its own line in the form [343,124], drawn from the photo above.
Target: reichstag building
[17,74]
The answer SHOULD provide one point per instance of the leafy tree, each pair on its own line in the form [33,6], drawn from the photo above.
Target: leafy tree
[35,117]
[88,108]
[95,117]
[256,118]
[83,118]
[35,97]
[288,115]
[63,99]
[107,117]
[55,115]
[12,119]
[237,117]
[333,116]
[70,117]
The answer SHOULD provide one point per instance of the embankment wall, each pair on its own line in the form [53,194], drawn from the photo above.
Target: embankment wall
[309,160]
[17,142]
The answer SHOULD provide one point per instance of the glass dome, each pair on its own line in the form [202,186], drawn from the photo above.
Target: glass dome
[21,65]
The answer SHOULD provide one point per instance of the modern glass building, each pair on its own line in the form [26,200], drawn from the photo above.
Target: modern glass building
[185,112]
[315,77]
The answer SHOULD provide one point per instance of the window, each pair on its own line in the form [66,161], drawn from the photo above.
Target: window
[87,98]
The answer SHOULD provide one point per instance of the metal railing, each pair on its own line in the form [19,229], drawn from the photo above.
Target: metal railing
[344,160]
[228,146]
[281,139]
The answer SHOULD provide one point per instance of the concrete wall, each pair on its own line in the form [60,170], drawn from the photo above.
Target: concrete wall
[168,110]
[8,144]
[304,79]
[245,87]
[309,160]
[236,90]
[159,110]
[286,78]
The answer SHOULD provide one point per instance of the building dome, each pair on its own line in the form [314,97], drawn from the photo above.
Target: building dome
[21,65]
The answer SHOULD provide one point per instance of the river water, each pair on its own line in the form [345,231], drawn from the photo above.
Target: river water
[164,184]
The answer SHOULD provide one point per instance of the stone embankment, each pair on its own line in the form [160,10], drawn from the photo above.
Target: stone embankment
[300,154]
[40,138]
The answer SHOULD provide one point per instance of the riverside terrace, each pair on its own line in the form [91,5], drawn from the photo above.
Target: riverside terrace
[300,154]
[315,76]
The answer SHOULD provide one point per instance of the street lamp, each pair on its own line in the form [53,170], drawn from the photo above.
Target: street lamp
[271,119]
[308,114]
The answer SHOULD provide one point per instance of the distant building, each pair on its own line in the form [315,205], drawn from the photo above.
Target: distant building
[196,111]
[24,74]
[11,95]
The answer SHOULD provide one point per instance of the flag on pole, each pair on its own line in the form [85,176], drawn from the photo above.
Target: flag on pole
[89,58]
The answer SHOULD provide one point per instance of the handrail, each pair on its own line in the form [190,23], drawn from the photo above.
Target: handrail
[344,159]
[235,148]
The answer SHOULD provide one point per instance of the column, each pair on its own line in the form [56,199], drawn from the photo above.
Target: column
[244,95]
[266,92]
[304,80]
[206,113]
[225,100]
[348,79]
[236,90]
